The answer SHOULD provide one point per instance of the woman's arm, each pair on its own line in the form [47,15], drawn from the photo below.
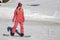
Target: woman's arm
[23,15]
[14,17]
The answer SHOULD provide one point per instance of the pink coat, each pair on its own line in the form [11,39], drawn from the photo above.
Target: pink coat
[19,15]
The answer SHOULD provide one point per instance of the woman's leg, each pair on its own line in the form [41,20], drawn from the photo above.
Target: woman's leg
[14,27]
[21,29]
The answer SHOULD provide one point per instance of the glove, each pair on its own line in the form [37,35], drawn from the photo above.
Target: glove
[23,20]
[13,20]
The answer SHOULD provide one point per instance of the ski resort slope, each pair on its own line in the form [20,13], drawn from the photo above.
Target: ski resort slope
[47,10]
[42,19]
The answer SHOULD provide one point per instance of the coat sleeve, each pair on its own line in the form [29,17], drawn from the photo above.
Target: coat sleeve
[23,15]
[14,14]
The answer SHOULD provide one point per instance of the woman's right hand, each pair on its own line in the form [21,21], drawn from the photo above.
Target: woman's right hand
[13,20]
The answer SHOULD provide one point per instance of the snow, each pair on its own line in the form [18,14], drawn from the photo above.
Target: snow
[41,22]
[47,10]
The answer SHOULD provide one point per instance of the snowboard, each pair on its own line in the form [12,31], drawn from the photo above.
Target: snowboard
[9,29]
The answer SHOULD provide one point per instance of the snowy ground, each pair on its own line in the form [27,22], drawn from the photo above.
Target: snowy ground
[42,22]
[37,30]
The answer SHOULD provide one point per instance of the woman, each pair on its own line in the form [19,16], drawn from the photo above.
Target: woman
[18,18]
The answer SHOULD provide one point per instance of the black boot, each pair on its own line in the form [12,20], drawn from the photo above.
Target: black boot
[12,34]
[21,34]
